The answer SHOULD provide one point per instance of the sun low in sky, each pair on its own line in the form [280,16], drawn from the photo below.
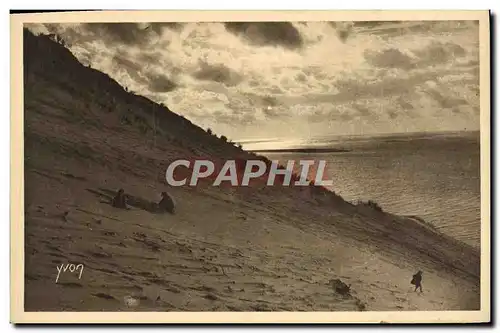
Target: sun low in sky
[250,80]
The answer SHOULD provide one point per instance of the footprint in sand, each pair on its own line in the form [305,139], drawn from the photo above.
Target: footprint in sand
[128,278]
[57,255]
[104,296]
[105,270]
[131,302]
[158,281]
[206,288]
[173,289]
[233,308]
[71,284]
[211,297]
[53,248]
[100,254]
[146,274]
[76,254]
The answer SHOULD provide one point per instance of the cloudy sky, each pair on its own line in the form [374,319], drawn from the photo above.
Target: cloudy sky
[294,79]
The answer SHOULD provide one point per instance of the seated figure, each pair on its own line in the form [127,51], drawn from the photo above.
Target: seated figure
[119,200]
[167,203]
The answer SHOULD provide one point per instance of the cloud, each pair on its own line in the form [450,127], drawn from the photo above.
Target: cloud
[150,57]
[128,33]
[394,29]
[259,100]
[158,27]
[363,110]
[154,82]
[438,53]
[390,58]
[405,103]
[373,24]
[161,83]
[217,73]
[124,33]
[127,64]
[351,89]
[343,29]
[271,112]
[446,102]
[133,69]
[283,34]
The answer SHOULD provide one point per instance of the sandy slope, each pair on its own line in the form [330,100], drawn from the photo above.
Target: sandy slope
[225,249]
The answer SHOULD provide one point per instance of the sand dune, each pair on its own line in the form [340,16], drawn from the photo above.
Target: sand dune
[225,249]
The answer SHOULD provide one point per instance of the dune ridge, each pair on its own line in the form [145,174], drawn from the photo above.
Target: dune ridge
[225,249]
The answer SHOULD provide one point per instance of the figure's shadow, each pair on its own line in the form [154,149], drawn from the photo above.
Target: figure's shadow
[106,196]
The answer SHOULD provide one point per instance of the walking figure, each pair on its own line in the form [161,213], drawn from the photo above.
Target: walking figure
[417,281]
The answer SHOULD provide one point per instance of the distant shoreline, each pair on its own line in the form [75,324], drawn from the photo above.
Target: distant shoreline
[451,133]
[302,150]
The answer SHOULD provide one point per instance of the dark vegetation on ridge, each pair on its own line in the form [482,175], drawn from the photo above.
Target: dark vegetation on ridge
[98,101]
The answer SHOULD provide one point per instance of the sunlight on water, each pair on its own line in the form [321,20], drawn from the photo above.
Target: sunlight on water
[434,176]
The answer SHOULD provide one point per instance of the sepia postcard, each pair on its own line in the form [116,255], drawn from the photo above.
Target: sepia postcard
[250,167]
